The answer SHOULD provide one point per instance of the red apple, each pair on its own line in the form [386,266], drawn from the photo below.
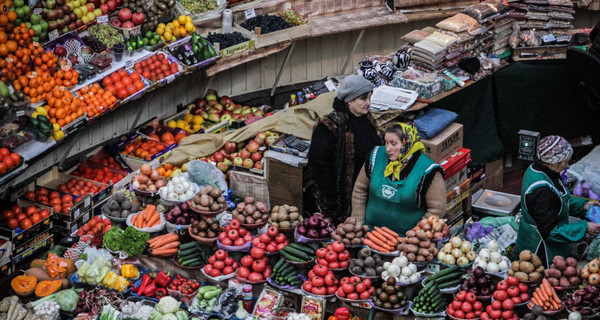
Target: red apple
[230,147]
[112,5]
[256,157]
[223,166]
[127,25]
[259,165]
[237,161]
[244,154]
[248,163]
[104,7]
[253,146]
[219,156]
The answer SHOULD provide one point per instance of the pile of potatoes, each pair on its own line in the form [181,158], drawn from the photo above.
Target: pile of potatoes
[350,232]
[528,268]
[417,246]
[251,212]
[285,217]
[563,272]
[208,199]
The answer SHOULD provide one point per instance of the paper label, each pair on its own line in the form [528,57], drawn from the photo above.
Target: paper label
[20,113]
[102,19]
[170,78]
[75,95]
[129,64]
[330,85]
[53,34]
[250,13]
[87,202]
[37,11]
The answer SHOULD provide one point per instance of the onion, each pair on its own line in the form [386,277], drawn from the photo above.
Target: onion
[146,169]
[456,242]
[160,183]
[142,178]
[449,259]
[465,246]
[136,184]
[493,245]
[154,176]
[152,188]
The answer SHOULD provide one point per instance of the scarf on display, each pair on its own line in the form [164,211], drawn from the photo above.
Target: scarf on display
[411,144]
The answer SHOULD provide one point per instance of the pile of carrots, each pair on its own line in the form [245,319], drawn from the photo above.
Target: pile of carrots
[382,239]
[166,244]
[545,297]
[147,218]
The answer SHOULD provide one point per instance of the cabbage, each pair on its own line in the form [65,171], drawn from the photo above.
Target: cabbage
[67,300]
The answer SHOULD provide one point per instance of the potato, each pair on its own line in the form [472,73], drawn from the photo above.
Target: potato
[429,257]
[570,272]
[575,281]
[350,235]
[411,257]
[410,248]
[535,260]
[511,272]
[411,233]
[553,282]
[348,227]
[423,252]
[526,267]
[525,255]
[346,241]
[274,224]
[413,240]
[420,258]
[336,237]
[359,234]
[554,273]
[294,216]
[564,282]
[425,243]
[292,209]
[285,224]
[540,269]
[356,241]
[535,276]
[358,227]
[422,235]
[522,276]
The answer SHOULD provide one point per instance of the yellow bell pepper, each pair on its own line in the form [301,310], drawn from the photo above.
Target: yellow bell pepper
[109,279]
[130,271]
[121,284]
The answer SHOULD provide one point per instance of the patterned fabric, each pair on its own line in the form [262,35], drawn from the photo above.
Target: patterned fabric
[554,149]
[411,144]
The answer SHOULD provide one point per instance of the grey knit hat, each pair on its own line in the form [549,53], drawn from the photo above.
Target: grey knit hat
[353,87]
[554,149]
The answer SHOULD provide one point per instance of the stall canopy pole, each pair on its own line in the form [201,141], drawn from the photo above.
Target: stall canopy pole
[351,53]
[287,57]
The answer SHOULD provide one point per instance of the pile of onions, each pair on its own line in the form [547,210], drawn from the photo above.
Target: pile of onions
[148,179]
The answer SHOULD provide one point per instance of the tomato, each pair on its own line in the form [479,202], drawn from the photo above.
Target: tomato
[320,291]
[267,273]
[257,253]
[255,277]
[523,288]
[512,281]
[459,314]
[477,306]
[12,223]
[470,315]
[280,238]
[219,264]
[8,161]
[7,214]
[16,209]
[508,304]
[228,270]
[35,218]
[513,291]
[321,252]
[320,270]
[470,297]
[347,288]
[331,256]
[330,281]
[507,314]
[496,314]
[25,223]
[338,246]
[311,274]
[524,296]
[496,304]
[340,292]
[502,285]
[456,304]
[461,295]
[307,285]
[450,310]
[3,168]
[29,211]
[344,256]
[4,152]
[16,158]
[466,307]
[353,296]
[333,265]
[215,273]
[259,266]
[365,295]
[20,217]
[500,295]
[516,300]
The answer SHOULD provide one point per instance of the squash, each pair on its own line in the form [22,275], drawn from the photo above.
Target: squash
[71,268]
[23,285]
[38,273]
[47,287]
[37,263]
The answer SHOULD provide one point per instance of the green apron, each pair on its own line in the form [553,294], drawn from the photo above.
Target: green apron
[564,233]
[394,203]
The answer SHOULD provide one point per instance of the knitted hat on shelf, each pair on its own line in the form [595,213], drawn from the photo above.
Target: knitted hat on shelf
[554,149]
[353,87]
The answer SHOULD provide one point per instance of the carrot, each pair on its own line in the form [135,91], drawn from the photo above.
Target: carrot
[383,239]
[164,252]
[537,296]
[555,305]
[390,231]
[549,290]
[173,237]
[138,220]
[150,209]
[542,292]
[152,241]
[133,219]
[169,245]
[535,300]
[374,246]
[154,219]
[389,237]
[378,241]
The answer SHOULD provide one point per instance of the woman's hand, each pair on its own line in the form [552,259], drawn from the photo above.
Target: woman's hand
[593,228]
[589,204]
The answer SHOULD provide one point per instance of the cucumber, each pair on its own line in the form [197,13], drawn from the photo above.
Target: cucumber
[188,251]
[444,272]
[308,250]
[450,284]
[290,267]
[191,262]
[206,289]
[437,305]
[295,283]
[448,277]
[187,257]
[279,264]
[187,245]
[298,253]
[428,286]
[289,257]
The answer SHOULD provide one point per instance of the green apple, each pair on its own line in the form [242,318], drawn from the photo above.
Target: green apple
[50,4]
[19,3]
[82,3]
[28,24]
[37,29]
[26,10]
[35,38]
[35,18]
[20,12]
[85,19]
[84,9]
[78,12]
[72,4]
[97,12]
[91,16]
[44,25]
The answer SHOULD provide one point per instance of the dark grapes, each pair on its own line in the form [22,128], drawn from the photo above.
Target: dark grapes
[226,40]
[266,23]
[95,44]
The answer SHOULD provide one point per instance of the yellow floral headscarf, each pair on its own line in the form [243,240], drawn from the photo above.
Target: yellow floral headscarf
[412,143]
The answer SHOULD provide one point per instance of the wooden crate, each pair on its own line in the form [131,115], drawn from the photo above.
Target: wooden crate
[285,183]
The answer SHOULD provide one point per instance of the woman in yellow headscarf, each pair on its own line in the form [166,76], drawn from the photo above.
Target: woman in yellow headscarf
[399,184]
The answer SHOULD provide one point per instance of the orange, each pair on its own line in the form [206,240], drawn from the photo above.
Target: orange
[3,37]
[12,16]
[12,45]
[3,19]
[3,50]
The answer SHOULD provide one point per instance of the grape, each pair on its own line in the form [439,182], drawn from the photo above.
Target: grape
[266,23]
[226,40]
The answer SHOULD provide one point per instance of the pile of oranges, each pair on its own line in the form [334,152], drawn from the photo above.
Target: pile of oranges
[62,107]
[122,84]
[35,85]
[95,100]
[45,62]
[22,35]
[66,77]
[7,19]
[18,61]
[167,169]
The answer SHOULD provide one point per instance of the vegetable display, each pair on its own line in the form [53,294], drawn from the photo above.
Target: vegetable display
[585,301]
[191,255]
[147,218]
[367,264]
[164,245]
[178,189]
[334,256]
[119,206]
[417,246]
[285,217]
[545,296]
[321,281]
[465,306]
[528,268]
[131,240]
[285,274]
[208,199]
[479,283]
[148,179]
[234,235]
[429,300]
[403,271]
[382,240]
[563,273]
[512,289]
[491,259]
[350,232]
[457,251]
[206,298]
[355,288]
[315,227]
[271,241]
[447,278]
[255,266]
[298,252]
[181,214]
[220,264]
[592,272]
[206,228]
[251,211]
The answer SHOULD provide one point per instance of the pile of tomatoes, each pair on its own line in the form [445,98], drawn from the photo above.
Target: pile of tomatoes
[79,187]
[59,203]
[15,217]
[156,67]
[183,285]
[8,160]
[334,256]
[95,227]
[321,281]
[122,85]
[100,174]
[255,266]
[220,264]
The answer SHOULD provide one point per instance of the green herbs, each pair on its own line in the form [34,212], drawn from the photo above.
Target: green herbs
[131,241]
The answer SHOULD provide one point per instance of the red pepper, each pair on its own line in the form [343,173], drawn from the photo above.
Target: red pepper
[160,293]
[145,282]
[162,280]
[150,290]
[342,313]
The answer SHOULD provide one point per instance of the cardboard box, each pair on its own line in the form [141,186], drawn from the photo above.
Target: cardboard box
[456,162]
[246,184]
[6,266]
[68,228]
[456,179]
[457,195]
[53,178]
[72,214]
[445,143]
[5,249]
[475,172]
[134,162]
[494,175]
[33,241]
[285,183]
[41,246]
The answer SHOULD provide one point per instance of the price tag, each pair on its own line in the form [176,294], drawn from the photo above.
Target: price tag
[53,34]
[76,214]
[129,64]
[75,95]
[37,11]
[249,13]
[20,113]
[170,78]
[87,202]
[102,19]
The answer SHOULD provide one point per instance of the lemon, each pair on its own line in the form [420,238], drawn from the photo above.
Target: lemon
[176,24]
[182,19]
[189,27]
[56,127]
[58,135]
[167,35]
[42,111]
[181,124]
[176,32]
[188,117]
[196,127]
[161,25]
[160,30]
[34,115]
[188,19]
[198,120]
[172,124]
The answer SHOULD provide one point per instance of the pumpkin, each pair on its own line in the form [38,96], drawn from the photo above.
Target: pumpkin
[38,273]
[23,285]
[47,287]
[37,263]
[71,268]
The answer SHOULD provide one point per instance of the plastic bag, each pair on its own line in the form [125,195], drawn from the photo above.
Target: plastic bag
[476,231]
[515,39]
[499,221]
[530,38]
[227,304]
[205,174]
[593,214]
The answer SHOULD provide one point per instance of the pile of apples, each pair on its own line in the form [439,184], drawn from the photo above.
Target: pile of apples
[220,264]
[355,288]
[234,235]
[255,266]
[215,109]
[271,241]
[334,256]
[321,281]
